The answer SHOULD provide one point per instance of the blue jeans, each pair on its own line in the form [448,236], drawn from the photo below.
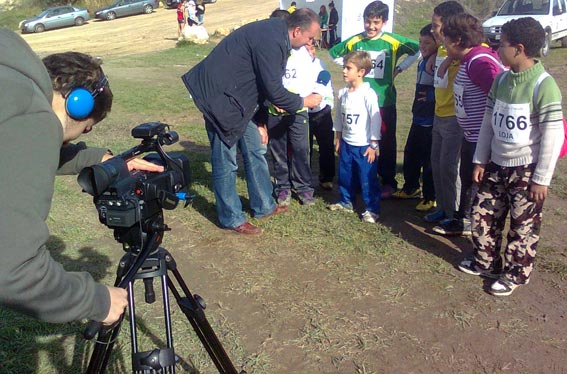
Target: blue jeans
[225,168]
[356,172]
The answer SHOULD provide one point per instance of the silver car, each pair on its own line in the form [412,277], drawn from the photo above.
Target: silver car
[52,18]
[126,8]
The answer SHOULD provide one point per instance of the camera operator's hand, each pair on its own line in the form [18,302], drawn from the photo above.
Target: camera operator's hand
[141,164]
[138,164]
[118,302]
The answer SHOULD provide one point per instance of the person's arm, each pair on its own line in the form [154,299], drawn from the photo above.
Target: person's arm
[341,49]
[478,173]
[74,157]
[30,279]
[483,152]
[550,119]
[409,48]
[406,63]
[375,119]
[482,72]
[444,67]
[430,66]
[268,61]
[338,123]
[261,119]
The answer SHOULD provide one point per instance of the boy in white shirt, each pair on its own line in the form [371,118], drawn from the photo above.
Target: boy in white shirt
[357,127]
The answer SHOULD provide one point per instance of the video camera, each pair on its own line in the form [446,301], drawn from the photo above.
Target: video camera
[131,202]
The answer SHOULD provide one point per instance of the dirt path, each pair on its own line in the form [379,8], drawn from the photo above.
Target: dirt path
[143,33]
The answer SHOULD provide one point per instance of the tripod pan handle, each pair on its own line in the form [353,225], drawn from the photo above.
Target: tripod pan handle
[92,329]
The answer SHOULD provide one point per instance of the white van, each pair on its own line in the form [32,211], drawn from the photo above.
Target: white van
[552,14]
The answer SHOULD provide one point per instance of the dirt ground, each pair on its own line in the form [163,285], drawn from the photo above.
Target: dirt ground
[143,33]
[296,309]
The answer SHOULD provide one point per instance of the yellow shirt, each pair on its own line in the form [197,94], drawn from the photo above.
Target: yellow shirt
[444,104]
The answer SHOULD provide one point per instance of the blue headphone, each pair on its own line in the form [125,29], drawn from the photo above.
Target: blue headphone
[80,102]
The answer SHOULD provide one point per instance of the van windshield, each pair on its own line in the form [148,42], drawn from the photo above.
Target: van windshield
[524,7]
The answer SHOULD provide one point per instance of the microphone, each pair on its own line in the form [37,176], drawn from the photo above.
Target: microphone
[324,77]
[322,80]
[322,88]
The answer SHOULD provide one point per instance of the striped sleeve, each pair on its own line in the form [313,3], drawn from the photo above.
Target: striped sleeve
[550,119]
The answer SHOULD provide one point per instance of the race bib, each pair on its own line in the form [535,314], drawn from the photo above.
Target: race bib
[378,64]
[511,122]
[440,82]
[458,92]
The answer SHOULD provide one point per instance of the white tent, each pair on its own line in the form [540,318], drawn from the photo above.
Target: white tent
[350,13]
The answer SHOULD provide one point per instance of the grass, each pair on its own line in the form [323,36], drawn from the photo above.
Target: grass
[350,262]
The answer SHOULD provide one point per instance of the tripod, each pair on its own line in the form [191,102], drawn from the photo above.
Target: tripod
[151,262]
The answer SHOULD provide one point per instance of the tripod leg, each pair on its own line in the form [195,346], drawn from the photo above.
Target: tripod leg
[191,306]
[107,336]
[103,348]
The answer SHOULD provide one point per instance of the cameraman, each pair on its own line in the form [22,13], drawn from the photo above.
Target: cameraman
[35,135]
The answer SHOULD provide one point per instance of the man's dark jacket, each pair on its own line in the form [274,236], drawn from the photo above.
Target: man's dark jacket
[241,72]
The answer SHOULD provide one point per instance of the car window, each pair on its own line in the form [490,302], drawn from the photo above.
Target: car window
[53,13]
[522,7]
[557,8]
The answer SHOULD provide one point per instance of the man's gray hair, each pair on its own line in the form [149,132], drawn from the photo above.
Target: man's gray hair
[302,18]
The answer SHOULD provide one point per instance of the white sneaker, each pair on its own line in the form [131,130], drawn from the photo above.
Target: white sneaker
[369,217]
[503,287]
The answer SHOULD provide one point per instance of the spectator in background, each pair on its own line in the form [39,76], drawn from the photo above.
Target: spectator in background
[191,13]
[292,7]
[200,12]
[324,24]
[180,19]
[333,22]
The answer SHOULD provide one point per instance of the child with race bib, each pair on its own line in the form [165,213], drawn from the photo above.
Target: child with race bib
[519,142]
[385,50]
[357,132]
[479,65]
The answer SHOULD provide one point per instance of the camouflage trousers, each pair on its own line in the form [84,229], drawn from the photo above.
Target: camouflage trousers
[505,190]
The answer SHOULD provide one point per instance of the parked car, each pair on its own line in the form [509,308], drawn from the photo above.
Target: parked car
[122,8]
[52,18]
[551,14]
[173,3]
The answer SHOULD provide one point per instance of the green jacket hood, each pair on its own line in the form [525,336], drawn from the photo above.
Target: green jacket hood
[24,77]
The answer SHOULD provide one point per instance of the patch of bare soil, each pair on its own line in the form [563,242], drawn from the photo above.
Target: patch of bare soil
[298,309]
[312,312]
[145,32]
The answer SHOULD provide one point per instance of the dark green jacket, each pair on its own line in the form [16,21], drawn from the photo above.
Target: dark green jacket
[30,146]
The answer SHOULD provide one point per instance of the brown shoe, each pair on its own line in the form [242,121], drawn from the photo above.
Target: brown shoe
[247,229]
[279,209]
